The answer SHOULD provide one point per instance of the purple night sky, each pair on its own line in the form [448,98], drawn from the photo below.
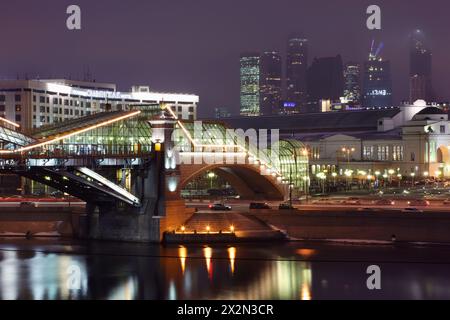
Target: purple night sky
[194,46]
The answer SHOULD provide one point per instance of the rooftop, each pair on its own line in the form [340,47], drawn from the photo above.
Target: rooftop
[364,120]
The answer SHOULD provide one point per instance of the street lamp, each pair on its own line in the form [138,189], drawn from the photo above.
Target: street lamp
[334,175]
[413,175]
[348,151]
[322,177]
[211,176]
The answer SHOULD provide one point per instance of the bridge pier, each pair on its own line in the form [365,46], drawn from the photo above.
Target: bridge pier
[156,185]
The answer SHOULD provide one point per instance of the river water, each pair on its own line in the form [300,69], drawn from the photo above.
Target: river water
[62,269]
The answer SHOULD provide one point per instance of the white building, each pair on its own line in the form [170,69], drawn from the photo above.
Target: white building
[33,103]
[410,140]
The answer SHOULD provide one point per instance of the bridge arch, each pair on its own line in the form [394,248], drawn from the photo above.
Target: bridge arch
[246,179]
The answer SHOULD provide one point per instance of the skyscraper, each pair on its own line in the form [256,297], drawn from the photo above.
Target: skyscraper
[250,78]
[352,79]
[377,80]
[325,79]
[420,81]
[296,69]
[270,82]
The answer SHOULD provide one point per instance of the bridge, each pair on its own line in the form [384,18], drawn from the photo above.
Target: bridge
[131,165]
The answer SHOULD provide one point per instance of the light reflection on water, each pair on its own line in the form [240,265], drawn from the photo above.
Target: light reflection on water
[209,272]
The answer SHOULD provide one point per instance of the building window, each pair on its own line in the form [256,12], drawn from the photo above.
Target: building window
[18,98]
[66,102]
[18,118]
[42,109]
[2,97]
[18,108]
[368,152]
[383,153]
[191,109]
[2,108]
[442,129]
[55,100]
[413,156]
[41,99]
[397,154]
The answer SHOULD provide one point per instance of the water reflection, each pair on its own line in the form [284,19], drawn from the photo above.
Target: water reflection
[232,255]
[182,252]
[186,272]
[208,255]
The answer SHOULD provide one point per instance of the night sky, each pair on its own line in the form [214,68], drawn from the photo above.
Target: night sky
[194,46]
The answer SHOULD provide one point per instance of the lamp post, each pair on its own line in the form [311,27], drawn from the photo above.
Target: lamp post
[413,175]
[211,176]
[348,151]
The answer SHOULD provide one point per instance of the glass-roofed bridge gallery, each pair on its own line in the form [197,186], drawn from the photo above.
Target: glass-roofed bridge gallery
[127,139]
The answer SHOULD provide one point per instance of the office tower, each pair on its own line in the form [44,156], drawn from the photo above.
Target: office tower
[325,80]
[377,80]
[420,81]
[352,85]
[296,71]
[270,83]
[250,80]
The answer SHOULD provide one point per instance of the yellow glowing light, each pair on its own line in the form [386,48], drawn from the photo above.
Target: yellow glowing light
[207,251]
[183,228]
[306,292]
[232,229]
[208,228]
[158,147]
[232,256]
[9,122]
[182,252]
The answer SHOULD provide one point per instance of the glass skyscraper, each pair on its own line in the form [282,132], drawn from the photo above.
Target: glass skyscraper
[420,68]
[250,81]
[377,80]
[296,69]
[270,82]
[352,85]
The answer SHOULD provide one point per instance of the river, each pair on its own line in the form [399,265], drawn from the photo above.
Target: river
[66,269]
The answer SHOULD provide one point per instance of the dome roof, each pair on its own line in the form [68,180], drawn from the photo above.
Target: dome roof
[431,110]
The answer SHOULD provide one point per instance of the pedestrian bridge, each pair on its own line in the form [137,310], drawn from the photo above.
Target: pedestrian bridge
[136,161]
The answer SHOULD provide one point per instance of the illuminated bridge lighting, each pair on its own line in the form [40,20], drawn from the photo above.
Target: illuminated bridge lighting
[68,135]
[9,122]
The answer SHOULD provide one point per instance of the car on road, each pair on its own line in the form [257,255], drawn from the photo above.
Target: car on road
[412,210]
[259,205]
[219,207]
[419,203]
[385,202]
[352,202]
[286,206]
[28,204]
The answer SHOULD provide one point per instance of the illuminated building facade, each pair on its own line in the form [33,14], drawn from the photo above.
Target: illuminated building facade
[34,103]
[420,68]
[412,140]
[296,71]
[270,83]
[250,81]
[377,81]
[352,79]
